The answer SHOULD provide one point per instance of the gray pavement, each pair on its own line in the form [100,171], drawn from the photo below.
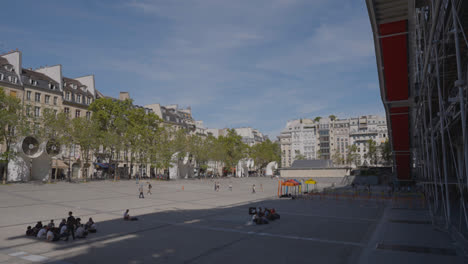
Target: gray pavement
[188,222]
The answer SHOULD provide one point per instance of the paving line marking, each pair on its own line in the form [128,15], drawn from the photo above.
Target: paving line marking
[273,235]
[374,239]
[34,258]
[334,217]
[17,254]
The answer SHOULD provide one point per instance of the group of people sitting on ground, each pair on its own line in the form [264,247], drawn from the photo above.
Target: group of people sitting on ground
[261,217]
[72,226]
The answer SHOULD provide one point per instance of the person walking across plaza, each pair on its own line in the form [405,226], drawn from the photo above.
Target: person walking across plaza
[140,189]
[253,188]
[71,221]
[149,188]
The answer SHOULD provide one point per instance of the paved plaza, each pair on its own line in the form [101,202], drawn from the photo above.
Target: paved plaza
[188,222]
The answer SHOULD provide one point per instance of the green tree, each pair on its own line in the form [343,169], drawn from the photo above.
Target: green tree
[11,126]
[149,129]
[386,152]
[199,148]
[84,134]
[139,137]
[111,117]
[216,151]
[53,127]
[180,143]
[300,157]
[233,148]
[372,152]
[163,149]
[317,119]
[332,117]
[264,153]
[337,158]
[352,155]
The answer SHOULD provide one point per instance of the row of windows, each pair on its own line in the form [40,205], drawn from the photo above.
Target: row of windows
[11,79]
[79,99]
[37,98]
[66,110]
[37,111]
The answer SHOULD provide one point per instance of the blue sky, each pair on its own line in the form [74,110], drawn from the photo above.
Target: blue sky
[237,63]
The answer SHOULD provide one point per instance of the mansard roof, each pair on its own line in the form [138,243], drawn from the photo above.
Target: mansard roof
[4,61]
[37,76]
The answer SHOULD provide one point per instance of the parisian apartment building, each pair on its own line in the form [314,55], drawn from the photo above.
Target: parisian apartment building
[330,138]
[47,88]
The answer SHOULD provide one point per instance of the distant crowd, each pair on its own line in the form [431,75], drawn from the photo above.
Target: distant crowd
[70,227]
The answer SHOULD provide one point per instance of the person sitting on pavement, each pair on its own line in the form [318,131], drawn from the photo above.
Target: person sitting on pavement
[273,214]
[29,231]
[81,232]
[56,232]
[259,220]
[252,210]
[50,235]
[51,224]
[64,232]
[266,212]
[128,217]
[64,222]
[37,227]
[260,212]
[42,233]
[91,226]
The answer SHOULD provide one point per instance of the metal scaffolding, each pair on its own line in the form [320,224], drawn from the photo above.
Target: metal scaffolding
[438,57]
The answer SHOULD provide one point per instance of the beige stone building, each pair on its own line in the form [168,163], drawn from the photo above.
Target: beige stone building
[329,139]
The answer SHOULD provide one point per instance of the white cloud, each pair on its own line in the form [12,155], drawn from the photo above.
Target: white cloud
[237,56]
[347,42]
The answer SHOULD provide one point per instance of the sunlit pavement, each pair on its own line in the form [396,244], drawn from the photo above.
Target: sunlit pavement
[188,222]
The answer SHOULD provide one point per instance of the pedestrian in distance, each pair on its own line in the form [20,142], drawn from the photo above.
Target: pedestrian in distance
[140,189]
[137,178]
[253,188]
[149,188]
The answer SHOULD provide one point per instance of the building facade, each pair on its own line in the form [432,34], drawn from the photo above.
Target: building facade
[45,89]
[250,136]
[330,139]
[298,138]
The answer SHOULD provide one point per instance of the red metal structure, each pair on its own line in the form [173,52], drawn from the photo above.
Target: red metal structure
[421,49]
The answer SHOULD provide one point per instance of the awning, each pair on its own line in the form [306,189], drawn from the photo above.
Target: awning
[59,164]
[103,165]
[310,181]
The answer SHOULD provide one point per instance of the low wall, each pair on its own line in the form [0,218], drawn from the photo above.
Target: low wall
[315,173]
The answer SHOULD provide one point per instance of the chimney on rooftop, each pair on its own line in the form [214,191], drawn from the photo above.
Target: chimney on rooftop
[124,96]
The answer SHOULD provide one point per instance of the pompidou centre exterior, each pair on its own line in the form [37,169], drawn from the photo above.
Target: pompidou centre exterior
[421,49]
